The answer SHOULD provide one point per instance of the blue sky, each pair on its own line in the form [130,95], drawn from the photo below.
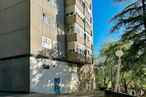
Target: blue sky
[103,11]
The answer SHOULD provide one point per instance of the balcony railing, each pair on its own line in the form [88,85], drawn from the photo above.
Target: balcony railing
[88,44]
[88,15]
[89,60]
[109,93]
[75,37]
[89,3]
[76,57]
[74,2]
[88,28]
[72,19]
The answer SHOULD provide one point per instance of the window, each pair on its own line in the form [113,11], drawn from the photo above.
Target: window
[46,19]
[90,6]
[70,29]
[46,42]
[53,2]
[79,31]
[78,48]
[86,8]
[55,45]
[46,66]
[88,37]
[54,25]
[73,50]
[90,20]
[87,52]
[87,25]
[82,3]
[80,17]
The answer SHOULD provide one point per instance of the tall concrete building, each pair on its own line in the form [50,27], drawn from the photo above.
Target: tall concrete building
[45,45]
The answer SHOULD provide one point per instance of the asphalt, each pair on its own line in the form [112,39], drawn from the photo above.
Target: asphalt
[80,94]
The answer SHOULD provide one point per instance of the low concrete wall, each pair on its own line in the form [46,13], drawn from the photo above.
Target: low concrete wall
[116,94]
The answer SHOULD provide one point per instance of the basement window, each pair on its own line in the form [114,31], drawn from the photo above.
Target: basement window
[46,66]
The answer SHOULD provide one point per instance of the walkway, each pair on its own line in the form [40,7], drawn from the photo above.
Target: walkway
[89,94]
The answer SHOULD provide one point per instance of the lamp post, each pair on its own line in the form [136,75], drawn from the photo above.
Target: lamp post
[119,54]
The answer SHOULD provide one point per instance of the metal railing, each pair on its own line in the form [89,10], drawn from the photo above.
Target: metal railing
[109,93]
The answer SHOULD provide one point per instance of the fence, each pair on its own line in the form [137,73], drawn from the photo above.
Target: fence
[109,93]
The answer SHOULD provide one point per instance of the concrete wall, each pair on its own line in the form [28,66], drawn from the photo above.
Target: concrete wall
[42,80]
[14,75]
[14,43]
[14,27]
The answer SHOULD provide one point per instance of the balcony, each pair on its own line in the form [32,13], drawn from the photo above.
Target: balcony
[88,15]
[74,9]
[88,27]
[88,45]
[89,3]
[72,19]
[89,59]
[76,57]
[74,2]
[75,37]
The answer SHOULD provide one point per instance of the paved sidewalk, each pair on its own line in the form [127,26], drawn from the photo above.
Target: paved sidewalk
[89,94]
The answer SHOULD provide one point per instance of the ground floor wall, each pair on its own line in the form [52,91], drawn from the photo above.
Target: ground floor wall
[30,74]
[14,74]
[53,77]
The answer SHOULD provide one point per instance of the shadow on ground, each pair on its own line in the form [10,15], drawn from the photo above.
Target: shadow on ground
[80,94]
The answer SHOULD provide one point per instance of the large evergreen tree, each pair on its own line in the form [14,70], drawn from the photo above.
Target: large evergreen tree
[133,20]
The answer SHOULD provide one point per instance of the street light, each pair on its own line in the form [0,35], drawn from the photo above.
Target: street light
[119,54]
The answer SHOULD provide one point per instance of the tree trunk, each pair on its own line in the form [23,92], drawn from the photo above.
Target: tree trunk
[125,87]
[113,85]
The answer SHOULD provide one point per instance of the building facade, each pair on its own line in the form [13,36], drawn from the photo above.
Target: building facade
[45,45]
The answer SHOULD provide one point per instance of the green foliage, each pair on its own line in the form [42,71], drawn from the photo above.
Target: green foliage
[132,19]
[106,66]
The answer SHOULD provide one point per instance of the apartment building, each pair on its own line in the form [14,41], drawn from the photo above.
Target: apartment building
[44,44]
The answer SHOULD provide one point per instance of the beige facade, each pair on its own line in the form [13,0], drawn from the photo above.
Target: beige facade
[49,40]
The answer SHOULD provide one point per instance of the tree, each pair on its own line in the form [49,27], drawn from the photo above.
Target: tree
[133,19]
[106,68]
[107,61]
[104,74]
[133,42]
